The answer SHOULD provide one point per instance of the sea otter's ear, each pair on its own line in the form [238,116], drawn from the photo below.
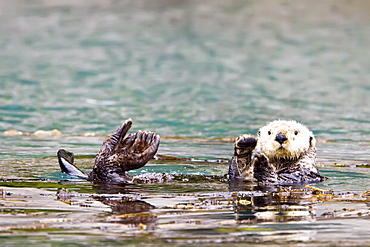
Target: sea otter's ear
[312,141]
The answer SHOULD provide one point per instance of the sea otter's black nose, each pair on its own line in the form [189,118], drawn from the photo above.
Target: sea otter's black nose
[280,138]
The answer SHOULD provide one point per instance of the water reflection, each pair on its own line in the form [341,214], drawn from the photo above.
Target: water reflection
[201,215]
[124,209]
[132,205]
[282,206]
[128,211]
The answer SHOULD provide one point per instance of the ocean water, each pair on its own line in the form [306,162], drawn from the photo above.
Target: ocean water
[193,72]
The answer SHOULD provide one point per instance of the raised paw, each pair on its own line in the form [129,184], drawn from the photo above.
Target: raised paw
[246,141]
[244,145]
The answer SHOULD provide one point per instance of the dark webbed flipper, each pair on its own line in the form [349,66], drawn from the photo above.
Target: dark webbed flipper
[111,143]
[136,150]
[121,153]
[66,160]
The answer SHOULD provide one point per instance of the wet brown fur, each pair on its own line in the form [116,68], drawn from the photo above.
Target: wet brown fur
[121,153]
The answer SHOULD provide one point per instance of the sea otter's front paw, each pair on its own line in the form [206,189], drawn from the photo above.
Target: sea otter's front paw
[264,172]
[261,159]
[246,141]
[244,145]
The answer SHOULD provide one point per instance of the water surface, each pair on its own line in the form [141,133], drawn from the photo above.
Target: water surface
[197,72]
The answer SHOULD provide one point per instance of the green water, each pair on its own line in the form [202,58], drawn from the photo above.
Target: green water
[198,70]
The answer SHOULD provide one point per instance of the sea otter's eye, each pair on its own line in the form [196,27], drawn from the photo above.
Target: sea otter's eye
[269,132]
[296,132]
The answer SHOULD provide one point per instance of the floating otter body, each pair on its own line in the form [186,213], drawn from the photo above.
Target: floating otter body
[284,154]
[119,154]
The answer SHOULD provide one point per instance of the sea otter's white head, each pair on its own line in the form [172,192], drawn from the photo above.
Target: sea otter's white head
[285,140]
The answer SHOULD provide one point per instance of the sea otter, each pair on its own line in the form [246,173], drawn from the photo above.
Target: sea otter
[284,154]
[119,154]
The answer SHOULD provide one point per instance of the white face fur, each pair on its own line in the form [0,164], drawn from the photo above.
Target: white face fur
[294,140]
